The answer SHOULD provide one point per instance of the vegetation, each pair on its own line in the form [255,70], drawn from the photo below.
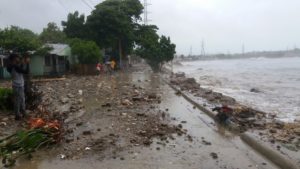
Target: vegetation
[154,49]
[113,22]
[52,34]
[75,27]
[113,25]
[25,142]
[6,99]
[87,51]
[18,39]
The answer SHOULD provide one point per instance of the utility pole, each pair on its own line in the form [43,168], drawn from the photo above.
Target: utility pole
[146,12]
[191,51]
[202,48]
[120,46]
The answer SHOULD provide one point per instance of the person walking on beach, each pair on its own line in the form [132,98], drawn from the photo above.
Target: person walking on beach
[113,65]
[17,71]
[98,67]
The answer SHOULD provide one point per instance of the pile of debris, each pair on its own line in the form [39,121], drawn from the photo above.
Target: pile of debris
[40,133]
[245,117]
[191,85]
[286,133]
[184,83]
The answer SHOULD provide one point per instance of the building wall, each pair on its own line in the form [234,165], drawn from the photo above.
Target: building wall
[4,73]
[37,65]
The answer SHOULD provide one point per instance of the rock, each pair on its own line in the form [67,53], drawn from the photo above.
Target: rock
[206,143]
[106,105]
[259,124]
[70,96]
[180,74]
[5,119]
[140,114]
[153,96]
[88,132]
[126,102]
[64,100]
[69,140]
[297,131]
[137,99]
[245,113]
[79,124]
[80,92]
[179,126]
[279,124]
[214,155]
[62,156]
[3,124]
[147,142]
[273,131]
[255,90]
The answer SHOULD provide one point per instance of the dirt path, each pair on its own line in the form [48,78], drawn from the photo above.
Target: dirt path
[156,130]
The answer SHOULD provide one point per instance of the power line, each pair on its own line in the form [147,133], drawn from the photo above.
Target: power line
[91,2]
[87,4]
[62,5]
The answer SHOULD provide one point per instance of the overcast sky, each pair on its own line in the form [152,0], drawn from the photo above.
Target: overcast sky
[224,25]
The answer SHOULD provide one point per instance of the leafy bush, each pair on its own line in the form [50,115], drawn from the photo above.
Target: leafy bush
[6,96]
[87,51]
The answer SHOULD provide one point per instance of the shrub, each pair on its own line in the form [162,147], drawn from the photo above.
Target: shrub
[6,96]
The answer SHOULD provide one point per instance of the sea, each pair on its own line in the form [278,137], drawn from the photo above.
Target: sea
[276,81]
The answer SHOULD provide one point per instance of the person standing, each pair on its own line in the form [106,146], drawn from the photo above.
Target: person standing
[98,68]
[113,65]
[17,69]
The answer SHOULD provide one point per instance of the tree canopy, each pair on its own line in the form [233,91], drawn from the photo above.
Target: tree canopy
[52,34]
[19,39]
[75,26]
[154,49]
[113,23]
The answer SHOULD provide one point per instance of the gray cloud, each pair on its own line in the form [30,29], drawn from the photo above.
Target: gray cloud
[223,24]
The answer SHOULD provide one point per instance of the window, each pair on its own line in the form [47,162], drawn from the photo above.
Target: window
[48,60]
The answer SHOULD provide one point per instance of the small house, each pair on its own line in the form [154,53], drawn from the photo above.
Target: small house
[55,63]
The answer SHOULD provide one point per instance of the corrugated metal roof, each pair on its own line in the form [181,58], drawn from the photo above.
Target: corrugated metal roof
[58,49]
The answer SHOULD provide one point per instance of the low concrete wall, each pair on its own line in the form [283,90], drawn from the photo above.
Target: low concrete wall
[268,152]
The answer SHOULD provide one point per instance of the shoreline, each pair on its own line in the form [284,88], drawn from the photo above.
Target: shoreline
[284,138]
[271,86]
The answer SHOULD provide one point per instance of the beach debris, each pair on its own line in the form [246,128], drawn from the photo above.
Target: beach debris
[87,148]
[40,133]
[126,102]
[224,114]
[62,156]
[80,92]
[214,155]
[255,90]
